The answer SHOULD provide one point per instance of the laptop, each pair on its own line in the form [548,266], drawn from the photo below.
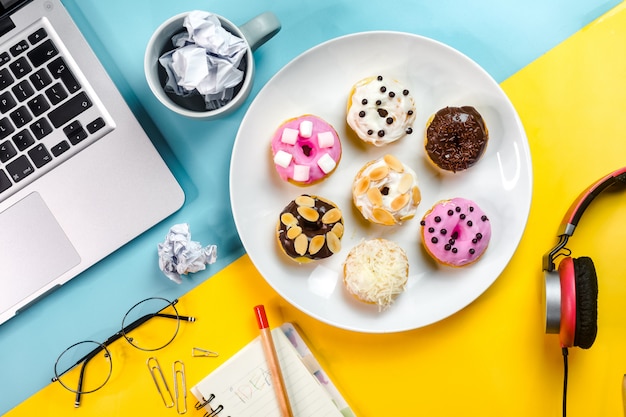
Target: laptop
[79,177]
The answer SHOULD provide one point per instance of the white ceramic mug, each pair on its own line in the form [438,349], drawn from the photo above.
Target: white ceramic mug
[255,32]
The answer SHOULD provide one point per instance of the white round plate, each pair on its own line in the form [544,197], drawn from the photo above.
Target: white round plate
[318,82]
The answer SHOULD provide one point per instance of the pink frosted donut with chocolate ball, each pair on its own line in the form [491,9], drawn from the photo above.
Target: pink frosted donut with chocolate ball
[456,232]
[305,150]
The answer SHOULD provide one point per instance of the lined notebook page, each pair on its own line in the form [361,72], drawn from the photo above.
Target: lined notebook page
[243,385]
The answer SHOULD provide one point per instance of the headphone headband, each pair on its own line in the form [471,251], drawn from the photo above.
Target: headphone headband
[576,210]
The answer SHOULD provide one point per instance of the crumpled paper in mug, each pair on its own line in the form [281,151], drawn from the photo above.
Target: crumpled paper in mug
[179,255]
[205,60]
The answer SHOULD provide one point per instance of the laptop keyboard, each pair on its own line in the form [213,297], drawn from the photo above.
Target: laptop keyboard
[46,114]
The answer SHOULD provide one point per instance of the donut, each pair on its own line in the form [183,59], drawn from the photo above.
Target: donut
[380,110]
[310,228]
[456,138]
[305,150]
[385,191]
[456,232]
[376,272]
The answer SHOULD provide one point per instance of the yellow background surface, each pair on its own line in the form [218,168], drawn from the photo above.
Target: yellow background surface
[490,359]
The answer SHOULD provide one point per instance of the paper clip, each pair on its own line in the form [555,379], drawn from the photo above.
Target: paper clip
[159,381]
[180,386]
[199,352]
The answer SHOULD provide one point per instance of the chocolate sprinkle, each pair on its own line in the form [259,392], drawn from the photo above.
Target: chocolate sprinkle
[456,138]
[364,101]
[362,113]
[434,239]
[389,120]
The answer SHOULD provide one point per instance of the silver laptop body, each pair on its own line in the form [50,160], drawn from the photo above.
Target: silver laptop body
[79,182]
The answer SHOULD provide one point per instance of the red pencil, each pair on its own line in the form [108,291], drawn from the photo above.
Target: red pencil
[272,360]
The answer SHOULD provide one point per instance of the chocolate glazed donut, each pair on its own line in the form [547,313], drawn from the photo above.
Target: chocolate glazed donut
[456,138]
[310,228]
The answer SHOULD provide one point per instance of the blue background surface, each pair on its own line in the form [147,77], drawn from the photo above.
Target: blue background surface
[502,37]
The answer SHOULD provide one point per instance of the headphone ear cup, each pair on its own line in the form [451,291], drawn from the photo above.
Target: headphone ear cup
[586,302]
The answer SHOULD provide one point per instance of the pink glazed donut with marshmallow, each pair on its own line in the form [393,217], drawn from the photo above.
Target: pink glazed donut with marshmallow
[305,150]
[456,232]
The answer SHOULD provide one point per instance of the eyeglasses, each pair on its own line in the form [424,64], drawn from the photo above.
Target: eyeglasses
[71,366]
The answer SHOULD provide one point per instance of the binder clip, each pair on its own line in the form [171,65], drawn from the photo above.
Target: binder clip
[159,380]
[180,387]
[199,352]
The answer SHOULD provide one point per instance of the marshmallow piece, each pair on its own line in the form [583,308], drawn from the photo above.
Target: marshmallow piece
[300,173]
[282,158]
[326,163]
[306,128]
[289,136]
[325,139]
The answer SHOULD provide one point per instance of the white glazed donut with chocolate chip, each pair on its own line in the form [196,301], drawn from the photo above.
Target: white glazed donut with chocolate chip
[386,192]
[380,110]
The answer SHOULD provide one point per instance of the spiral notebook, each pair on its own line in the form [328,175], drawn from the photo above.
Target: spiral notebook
[241,386]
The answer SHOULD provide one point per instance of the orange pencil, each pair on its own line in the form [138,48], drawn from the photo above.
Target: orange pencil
[272,360]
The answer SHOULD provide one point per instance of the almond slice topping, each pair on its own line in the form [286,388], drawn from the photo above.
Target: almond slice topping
[334,244]
[375,197]
[308,213]
[294,232]
[382,216]
[394,163]
[288,219]
[305,200]
[379,173]
[338,229]
[317,242]
[331,216]
[362,185]
[405,183]
[301,244]
[400,201]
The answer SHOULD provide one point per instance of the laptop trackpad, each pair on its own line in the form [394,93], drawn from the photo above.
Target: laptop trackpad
[34,250]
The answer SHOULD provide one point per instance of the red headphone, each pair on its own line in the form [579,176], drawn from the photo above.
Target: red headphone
[571,291]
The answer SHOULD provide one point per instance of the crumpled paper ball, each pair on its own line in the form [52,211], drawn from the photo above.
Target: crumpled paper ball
[179,255]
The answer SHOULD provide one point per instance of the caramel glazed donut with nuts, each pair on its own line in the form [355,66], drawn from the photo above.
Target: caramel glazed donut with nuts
[310,228]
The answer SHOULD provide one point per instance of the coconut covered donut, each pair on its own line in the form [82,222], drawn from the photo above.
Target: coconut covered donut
[310,228]
[305,150]
[456,232]
[456,138]
[380,110]
[385,191]
[376,272]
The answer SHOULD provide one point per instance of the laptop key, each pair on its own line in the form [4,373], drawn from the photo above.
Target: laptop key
[20,116]
[7,102]
[7,151]
[23,90]
[95,125]
[5,182]
[69,109]
[20,168]
[40,155]
[37,36]
[6,128]
[60,148]
[23,139]
[6,79]
[18,48]
[20,67]
[56,94]
[41,128]
[43,53]
[59,70]
[4,58]
[40,79]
